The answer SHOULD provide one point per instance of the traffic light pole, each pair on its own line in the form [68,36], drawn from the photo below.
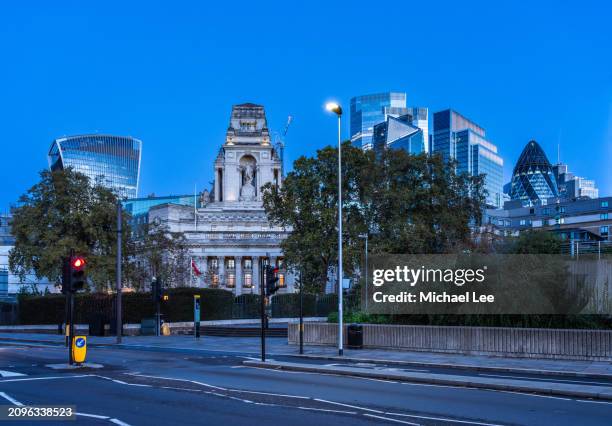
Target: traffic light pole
[157,317]
[71,328]
[262,295]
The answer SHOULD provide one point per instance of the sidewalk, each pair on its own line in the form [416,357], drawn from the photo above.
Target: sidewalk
[250,346]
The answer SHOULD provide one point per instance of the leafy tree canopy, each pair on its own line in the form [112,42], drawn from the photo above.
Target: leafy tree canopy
[404,203]
[64,212]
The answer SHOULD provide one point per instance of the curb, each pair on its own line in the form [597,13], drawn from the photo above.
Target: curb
[462,366]
[515,385]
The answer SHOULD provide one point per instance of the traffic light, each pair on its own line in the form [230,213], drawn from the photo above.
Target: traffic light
[271,280]
[155,289]
[158,292]
[77,273]
[74,277]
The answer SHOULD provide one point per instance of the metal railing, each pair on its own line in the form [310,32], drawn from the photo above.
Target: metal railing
[596,249]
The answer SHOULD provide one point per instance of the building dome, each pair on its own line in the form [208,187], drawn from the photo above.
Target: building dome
[533,178]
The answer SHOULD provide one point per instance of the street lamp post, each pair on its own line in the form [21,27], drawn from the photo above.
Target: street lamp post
[337,109]
[365,236]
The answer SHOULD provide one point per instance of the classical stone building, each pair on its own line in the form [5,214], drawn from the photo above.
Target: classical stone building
[229,235]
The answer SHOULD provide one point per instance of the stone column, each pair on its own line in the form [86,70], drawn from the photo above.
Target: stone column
[238,263]
[221,269]
[255,278]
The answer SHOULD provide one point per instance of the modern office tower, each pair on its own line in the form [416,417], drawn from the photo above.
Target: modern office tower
[420,119]
[398,133]
[369,110]
[113,159]
[572,186]
[533,178]
[457,138]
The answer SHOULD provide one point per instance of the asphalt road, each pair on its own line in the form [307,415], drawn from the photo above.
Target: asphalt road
[153,387]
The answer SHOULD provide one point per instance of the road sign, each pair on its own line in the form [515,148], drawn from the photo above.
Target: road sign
[79,349]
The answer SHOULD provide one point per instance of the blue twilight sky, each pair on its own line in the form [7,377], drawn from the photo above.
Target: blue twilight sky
[169,72]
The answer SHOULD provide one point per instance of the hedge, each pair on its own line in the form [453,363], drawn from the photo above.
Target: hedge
[50,309]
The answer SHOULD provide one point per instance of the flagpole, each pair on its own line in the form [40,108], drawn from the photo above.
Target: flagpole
[195,206]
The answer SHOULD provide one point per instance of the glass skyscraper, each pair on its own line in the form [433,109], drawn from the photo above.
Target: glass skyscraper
[457,138]
[533,178]
[398,133]
[113,159]
[370,110]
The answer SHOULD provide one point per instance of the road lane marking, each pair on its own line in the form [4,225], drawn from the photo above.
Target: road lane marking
[270,394]
[119,422]
[180,380]
[93,416]
[46,378]
[349,406]
[392,420]
[442,419]
[5,373]
[11,399]
[328,411]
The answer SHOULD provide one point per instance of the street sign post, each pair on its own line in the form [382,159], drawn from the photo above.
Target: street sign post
[196,315]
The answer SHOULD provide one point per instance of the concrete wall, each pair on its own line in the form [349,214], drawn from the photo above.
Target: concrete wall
[494,341]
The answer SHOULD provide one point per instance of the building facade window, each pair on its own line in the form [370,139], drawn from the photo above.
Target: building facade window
[604,204]
[248,281]
[603,216]
[604,231]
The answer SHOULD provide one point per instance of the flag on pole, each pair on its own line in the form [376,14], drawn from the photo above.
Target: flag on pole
[195,269]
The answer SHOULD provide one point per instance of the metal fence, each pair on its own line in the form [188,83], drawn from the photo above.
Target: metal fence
[592,249]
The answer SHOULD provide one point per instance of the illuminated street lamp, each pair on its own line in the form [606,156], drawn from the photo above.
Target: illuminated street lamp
[337,109]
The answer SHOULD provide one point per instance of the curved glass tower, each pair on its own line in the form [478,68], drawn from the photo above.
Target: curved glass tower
[533,178]
[113,159]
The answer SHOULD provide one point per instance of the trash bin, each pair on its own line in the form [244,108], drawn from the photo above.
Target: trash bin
[355,336]
[148,327]
[96,325]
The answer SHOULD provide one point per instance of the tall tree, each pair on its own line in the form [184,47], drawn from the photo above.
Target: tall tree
[64,212]
[157,252]
[406,203]
[421,205]
[307,202]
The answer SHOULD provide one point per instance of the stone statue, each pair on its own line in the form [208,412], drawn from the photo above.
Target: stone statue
[204,198]
[247,191]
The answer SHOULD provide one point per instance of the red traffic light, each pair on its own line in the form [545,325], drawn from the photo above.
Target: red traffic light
[78,262]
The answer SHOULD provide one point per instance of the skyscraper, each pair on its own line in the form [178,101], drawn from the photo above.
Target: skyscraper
[370,110]
[533,178]
[572,186]
[458,138]
[113,159]
[398,133]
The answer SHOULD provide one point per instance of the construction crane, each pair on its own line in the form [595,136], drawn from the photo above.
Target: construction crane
[279,143]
